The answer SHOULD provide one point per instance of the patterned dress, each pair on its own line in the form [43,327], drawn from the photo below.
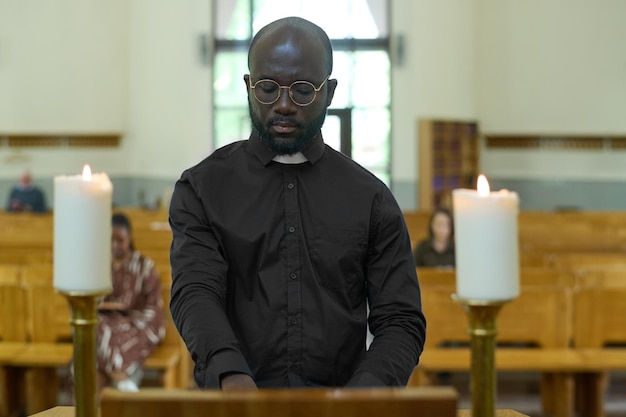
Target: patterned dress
[126,338]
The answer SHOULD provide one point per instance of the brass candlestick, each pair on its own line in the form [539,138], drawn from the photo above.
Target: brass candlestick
[482,330]
[84,320]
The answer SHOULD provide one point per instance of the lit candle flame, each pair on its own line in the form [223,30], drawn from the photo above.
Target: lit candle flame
[86,173]
[482,185]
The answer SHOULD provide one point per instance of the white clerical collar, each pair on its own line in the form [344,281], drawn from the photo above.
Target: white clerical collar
[296,158]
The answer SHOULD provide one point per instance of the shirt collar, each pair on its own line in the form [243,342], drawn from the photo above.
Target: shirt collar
[312,154]
[296,158]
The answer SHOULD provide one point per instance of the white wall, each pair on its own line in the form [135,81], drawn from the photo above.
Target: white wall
[63,69]
[437,76]
[170,88]
[556,66]
[534,66]
[113,66]
[552,67]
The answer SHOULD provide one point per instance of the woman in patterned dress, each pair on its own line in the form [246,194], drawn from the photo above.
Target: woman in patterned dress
[131,322]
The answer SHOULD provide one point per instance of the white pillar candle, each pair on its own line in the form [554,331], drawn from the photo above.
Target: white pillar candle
[82,232]
[486,243]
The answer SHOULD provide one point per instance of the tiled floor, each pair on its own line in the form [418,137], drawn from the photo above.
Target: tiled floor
[520,392]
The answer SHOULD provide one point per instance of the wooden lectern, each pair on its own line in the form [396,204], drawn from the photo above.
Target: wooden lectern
[409,402]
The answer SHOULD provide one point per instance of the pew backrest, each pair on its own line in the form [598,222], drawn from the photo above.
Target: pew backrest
[600,308]
[539,317]
[12,305]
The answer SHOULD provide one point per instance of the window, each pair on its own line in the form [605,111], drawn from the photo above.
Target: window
[359,31]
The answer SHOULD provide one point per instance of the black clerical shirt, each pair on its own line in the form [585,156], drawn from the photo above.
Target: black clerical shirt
[272,265]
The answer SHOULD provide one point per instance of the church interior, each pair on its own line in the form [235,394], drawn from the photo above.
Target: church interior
[531,94]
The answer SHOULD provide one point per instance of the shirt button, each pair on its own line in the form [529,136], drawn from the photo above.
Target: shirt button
[294,321]
[293,275]
[292,229]
[290,186]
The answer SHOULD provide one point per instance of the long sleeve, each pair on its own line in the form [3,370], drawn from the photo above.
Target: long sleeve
[396,320]
[199,290]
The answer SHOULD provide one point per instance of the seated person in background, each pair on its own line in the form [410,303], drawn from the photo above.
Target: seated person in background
[438,249]
[26,197]
[130,319]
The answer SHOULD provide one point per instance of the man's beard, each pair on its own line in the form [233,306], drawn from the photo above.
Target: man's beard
[302,141]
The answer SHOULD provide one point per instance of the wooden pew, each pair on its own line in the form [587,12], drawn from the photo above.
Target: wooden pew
[411,402]
[575,260]
[586,306]
[523,345]
[49,346]
[12,335]
[572,231]
[25,238]
[12,305]
[545,298]
[417,225]
[543,233]
[599,329]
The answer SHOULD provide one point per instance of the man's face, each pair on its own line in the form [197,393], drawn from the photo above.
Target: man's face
[286,143]
[285,58]
[25,179]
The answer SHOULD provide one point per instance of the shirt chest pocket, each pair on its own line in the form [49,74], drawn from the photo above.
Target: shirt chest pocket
[337,257]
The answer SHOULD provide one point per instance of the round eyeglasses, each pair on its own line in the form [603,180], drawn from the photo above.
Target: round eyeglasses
[302,93]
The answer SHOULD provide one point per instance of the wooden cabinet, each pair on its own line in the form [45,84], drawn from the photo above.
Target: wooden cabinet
[447,159]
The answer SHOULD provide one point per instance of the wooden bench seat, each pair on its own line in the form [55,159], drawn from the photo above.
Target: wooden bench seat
[568,360]
[60,354]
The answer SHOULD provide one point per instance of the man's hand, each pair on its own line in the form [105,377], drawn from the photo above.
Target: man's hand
[237,381]
[16,205]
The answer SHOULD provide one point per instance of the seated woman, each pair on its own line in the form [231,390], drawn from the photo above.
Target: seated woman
[131,322]
[438,249]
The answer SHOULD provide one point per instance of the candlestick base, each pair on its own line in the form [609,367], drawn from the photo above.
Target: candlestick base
[482,331]
[84,319]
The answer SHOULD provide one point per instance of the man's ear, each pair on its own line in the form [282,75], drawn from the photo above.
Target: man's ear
[246,79]
[332,84]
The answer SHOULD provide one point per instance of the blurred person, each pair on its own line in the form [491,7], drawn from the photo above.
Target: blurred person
[437,250]
[26,196]
[130,319]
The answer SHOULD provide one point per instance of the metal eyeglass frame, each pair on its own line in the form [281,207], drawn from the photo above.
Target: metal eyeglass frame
[280,88]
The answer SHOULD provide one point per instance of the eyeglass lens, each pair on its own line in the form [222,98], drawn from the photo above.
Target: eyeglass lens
[268,91]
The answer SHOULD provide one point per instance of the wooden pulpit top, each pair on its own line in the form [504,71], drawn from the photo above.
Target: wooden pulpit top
[400,402]
[310,402]
[69,412]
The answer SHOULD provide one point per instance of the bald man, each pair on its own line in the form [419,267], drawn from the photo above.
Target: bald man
[280,242]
